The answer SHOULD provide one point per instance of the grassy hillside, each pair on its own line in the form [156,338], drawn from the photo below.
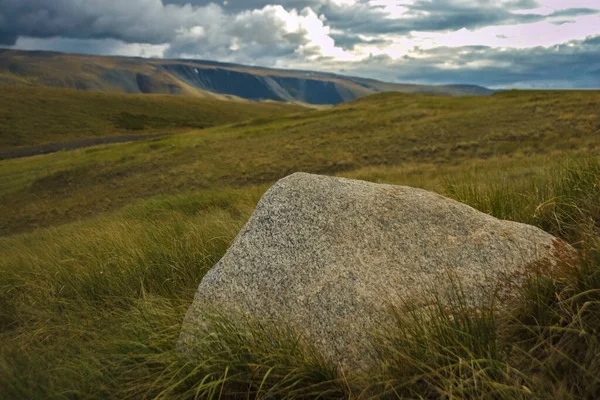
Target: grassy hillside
[102,249]
[92,309]
[38,115]
[385,132]
[106,74]
[196,78]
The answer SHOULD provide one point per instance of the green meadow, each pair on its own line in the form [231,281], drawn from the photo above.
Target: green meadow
[31,115]
[103,247]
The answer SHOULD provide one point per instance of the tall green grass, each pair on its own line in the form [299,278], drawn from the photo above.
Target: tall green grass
[372,136]
[74,299]
[93,309]
[565,203]
[32,116]
[549,344]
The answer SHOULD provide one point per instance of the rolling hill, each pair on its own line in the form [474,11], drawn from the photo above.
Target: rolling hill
[197,78]
[102,250]
[34,116]
[384,132]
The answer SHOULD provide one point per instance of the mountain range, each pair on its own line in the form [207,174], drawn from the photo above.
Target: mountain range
[198,78]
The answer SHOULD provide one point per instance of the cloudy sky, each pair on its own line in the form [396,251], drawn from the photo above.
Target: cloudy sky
[496,43]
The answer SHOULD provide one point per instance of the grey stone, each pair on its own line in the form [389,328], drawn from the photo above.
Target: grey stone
[332,257]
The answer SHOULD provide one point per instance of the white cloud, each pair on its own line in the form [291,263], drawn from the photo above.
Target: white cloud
[561,4]
[311,34]
[521,36]
[270,32]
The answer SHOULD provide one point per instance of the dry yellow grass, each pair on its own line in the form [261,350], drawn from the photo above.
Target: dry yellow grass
[38,115]
[387,132]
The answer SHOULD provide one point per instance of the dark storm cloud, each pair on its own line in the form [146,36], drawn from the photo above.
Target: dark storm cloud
[423,15]
[521,4]
[240,5]
[349,42]
[563,21]
[158,22]
[430,16]
[296,32]
[134,21]
[574,12]
[572,65]
[186,30]
[8,38]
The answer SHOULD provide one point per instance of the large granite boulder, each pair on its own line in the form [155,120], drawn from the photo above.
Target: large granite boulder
[331,256]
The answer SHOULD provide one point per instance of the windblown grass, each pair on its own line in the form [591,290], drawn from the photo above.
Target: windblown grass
[39,115]
[93,309]
[92,293]
[549,344]
[565,204]
[379,135]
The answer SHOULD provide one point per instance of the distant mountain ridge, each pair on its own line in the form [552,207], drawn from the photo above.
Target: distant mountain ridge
[197,78]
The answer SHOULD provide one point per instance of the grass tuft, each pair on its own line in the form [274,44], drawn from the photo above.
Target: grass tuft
[93,309]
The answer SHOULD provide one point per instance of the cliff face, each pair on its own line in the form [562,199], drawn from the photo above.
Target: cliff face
[253,86]
[196,78]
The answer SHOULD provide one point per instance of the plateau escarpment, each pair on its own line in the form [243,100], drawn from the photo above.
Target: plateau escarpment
[197,78]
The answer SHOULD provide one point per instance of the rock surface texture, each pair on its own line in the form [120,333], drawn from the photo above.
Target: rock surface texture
[331,256]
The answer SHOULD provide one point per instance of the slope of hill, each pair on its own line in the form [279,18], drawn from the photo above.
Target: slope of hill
[196,78]
[38,115]
[380,131]
[93,309]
